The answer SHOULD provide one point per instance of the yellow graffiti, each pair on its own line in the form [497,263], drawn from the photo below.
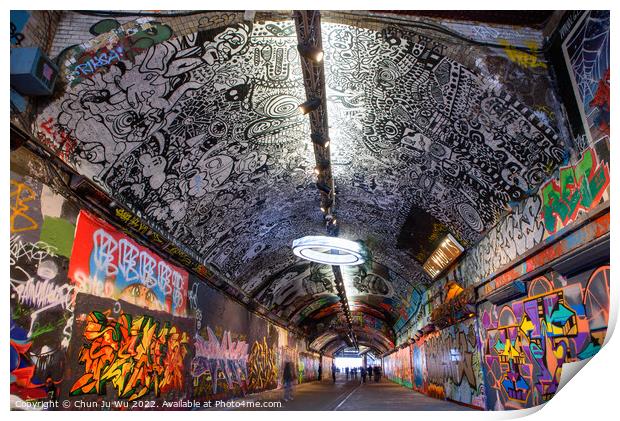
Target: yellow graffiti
[262,368]
[21,194]
[137,355]
[523,58]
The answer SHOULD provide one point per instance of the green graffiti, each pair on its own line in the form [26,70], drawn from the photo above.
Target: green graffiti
[150,36]
[103,26]
[577,187]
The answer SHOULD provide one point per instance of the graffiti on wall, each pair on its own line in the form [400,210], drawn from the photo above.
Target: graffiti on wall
[226,91]
[519,231]
[578,187]
[587,54]
[124,352]
[528,59]
[429,150]
[41,304]
[110,264]
[308,367]
[397,367]
[22,196]
[246,355]
[262,367]
[326,367]
[527,341]
[113,43]
[419,368]
[219,367]
[450,363]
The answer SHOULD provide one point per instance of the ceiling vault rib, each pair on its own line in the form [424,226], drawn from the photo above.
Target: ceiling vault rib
[308,28]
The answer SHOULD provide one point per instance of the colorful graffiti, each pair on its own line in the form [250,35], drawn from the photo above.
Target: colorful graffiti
[117,43]
[262,367]
[136,355]
[418,367]
[527,341]
[25,383]
[219,367]
[58,138]
[397,367]
[326,367]
[447,364]
[578,187]
[308,367]
[41,304]
[110,264]
[527,59]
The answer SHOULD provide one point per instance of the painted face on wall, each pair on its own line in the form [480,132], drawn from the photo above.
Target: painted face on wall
[139,294]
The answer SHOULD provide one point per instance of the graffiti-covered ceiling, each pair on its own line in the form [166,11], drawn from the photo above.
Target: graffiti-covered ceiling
[200,136]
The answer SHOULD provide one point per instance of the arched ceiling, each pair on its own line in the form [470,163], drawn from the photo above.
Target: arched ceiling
[200,136]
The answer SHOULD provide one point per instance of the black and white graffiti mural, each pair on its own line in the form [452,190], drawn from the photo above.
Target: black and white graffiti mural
[520,231]
[200,136]
[413,127]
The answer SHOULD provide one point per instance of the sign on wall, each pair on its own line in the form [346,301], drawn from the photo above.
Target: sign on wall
[107,263]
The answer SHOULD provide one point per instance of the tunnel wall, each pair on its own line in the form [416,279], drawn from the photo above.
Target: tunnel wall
[555,242]
[526,341]
[79,284]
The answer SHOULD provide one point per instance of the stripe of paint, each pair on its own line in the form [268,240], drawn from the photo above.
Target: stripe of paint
[59,233]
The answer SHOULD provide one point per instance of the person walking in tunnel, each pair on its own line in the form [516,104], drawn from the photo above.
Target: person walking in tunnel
[320,374]
[363,373]
[346,370]
[288,378]
[334,372]
[377,373]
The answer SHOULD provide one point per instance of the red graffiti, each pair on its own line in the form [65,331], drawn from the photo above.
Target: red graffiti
[601,100]
[58,139]
[137,355]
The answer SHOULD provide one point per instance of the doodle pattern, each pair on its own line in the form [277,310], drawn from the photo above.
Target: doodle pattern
[423,130]
[527,341]
[220,127]
[230,93]
[519,231]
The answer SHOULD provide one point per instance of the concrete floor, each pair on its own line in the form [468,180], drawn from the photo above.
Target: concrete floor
[352,396]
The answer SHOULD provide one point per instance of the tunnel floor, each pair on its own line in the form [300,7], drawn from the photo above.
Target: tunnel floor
[352,396]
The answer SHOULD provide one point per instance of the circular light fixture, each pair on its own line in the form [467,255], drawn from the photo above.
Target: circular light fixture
[329,250]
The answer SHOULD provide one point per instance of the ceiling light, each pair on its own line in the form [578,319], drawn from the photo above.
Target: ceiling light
[329,250]
[310,105]
[311,52]
[443,256]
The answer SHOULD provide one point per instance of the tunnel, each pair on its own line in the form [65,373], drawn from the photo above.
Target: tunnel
[306,210]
